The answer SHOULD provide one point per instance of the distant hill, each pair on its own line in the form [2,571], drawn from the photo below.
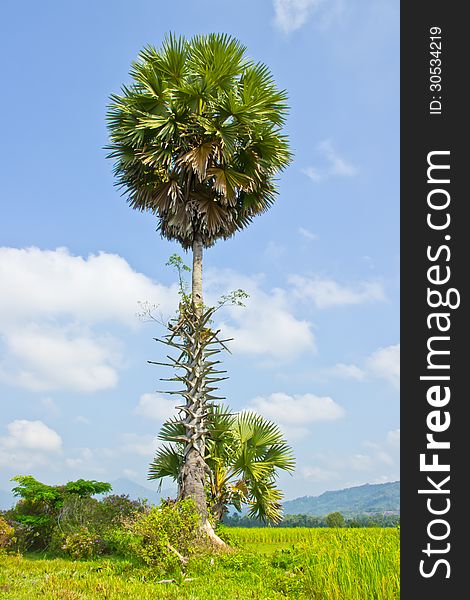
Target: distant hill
[368,498]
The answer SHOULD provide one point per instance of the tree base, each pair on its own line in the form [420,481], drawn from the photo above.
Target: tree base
[213,539]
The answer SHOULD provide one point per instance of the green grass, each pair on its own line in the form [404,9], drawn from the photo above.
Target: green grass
[314,564]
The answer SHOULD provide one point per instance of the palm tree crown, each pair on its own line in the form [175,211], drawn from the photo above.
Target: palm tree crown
[244,453]
[196,138]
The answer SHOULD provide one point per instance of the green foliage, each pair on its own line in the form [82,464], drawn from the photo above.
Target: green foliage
[335,519]
[244,453]
[45,516]
[177,263]
[224,533]
[7,535]
[83,543]
[197,137]
[35,491]
[345,564]
[165,531]
[293,521]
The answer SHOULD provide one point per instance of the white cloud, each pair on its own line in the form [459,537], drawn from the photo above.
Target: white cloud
[306,233]
[266,326]
[326,293]
[31,435]
[274,250]
[54,283]
[85,455]
[334,164]
[385,363]
[318,474]
[51,358]
[131,474]
[155,407]
[393,438]
[48,313]
[297,410]
[290,15]
[375,461]
[338,166]
[142,445]
[348,372]
[49,405]
[82,419]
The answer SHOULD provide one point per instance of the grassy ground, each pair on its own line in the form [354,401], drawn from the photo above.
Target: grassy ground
[321,564]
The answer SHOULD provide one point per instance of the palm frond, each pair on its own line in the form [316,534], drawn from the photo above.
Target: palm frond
[167,463]
[199,105]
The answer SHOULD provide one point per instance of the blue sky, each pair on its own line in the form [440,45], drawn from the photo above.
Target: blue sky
[316,348]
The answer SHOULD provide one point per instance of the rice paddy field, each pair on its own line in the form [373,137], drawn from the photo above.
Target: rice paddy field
[266,564]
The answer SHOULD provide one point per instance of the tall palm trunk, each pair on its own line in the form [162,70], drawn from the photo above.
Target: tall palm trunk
[194,469]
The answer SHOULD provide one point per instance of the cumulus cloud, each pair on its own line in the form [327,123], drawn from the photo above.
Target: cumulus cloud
[142,445]
[294,413]
[266,327]
[385,363]
[85,455]
[155,407]
[51,358]
[54,283]
[31,435]
[51,308]
[318,474]
[333,165]
[325,293]
[373,462]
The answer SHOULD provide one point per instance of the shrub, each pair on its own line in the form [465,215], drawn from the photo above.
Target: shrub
[121,542]
[83,544]
[33,523]
[36,513]
[7,535]
[165,531]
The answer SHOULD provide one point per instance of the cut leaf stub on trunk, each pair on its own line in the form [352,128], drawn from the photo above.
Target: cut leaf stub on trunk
[197,372]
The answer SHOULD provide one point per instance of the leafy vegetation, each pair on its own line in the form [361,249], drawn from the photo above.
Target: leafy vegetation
[313,564]
[245,452]
[360,520]
[66,517]
[166,535]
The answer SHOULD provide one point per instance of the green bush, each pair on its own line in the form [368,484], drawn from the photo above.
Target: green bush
[7,535]
[36,514]
[164,531]
[83,544]
[121,542]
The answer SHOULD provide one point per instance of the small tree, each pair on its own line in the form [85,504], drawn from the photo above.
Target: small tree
[335,519]
[244,453]
[39,506]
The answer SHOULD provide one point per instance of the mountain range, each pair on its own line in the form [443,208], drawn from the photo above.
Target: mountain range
[368,498]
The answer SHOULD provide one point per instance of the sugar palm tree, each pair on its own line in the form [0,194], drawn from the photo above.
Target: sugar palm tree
[244,454]
[196,139]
